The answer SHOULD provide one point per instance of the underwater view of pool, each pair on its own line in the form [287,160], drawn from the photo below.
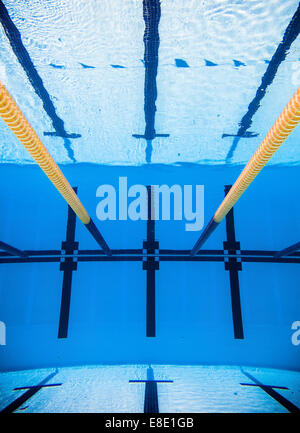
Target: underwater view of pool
[155,267]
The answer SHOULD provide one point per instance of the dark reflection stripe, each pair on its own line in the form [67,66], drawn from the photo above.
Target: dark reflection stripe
[15,40]
[151,14]
[245,258]
[233,266]
[68,266]
[291,33]
[274,394]
[151,396]
[32,390]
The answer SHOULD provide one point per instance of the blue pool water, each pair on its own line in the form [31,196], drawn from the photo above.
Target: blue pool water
[174,93]
[191,389]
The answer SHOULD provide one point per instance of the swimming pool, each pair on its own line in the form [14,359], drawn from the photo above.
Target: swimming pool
[160,93]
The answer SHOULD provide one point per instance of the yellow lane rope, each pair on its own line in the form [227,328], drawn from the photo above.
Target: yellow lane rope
[284,125]
[17,122]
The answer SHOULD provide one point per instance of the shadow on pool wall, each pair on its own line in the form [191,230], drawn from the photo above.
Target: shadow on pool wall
[107,319]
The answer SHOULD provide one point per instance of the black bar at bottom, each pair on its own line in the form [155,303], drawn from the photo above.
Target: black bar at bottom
[98,237]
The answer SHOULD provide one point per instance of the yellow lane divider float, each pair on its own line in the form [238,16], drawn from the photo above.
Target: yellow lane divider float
[282,128]
[17,122]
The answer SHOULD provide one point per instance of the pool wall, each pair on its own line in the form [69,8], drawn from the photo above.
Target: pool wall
[107,319]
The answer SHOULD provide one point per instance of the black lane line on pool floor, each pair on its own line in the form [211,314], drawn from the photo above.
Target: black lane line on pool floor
[151,14]
[150,264]
[15,40]
[290,34]
[32,390]
[68,265]
[151,394]
[272,393]
[233,265]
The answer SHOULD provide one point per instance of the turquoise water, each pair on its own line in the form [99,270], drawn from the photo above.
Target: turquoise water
[90,57]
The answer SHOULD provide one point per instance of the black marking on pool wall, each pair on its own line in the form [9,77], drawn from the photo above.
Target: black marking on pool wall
[32,390]
[56,134]
[247,134]
[12,250]
[164,255]
[279,56]
[289,250]
[87,66]
[57,66]
[19,388]
[274,394]
[238,63]
[150,264]
[151,14]
[92,228]
[233,266]
[151,396]
[267,386]
[15,40]
[68,265]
